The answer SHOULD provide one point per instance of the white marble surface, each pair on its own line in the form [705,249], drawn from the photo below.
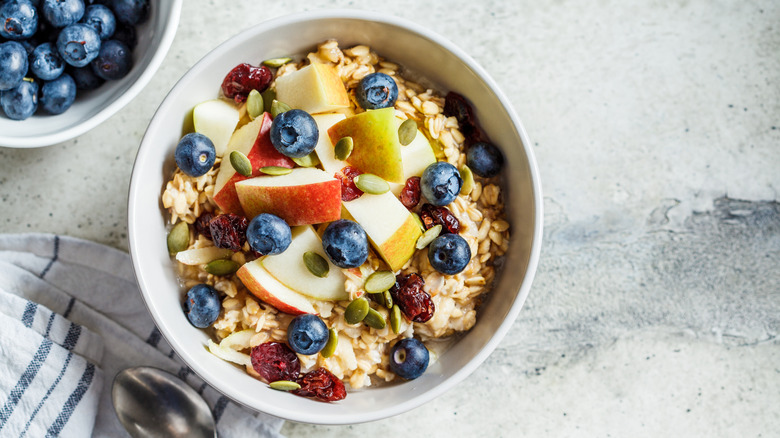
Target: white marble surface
[656,306]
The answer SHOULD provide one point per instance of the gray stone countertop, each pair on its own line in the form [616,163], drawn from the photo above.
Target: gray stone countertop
[656,307]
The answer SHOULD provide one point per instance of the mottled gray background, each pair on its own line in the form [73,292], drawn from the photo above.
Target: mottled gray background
[655,309]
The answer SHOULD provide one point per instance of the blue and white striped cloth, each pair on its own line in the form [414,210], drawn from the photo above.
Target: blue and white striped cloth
[71,317]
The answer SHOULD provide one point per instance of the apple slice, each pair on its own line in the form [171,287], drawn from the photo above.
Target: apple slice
[376,148]
[304,196]
[254,141]
[216,119]
[265,287]
[316,88]
[288,268]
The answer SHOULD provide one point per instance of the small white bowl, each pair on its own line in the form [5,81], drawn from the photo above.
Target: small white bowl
[430,57]
[92,108]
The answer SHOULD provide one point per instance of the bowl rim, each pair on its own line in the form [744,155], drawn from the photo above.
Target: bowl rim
[112,108]
[533,258]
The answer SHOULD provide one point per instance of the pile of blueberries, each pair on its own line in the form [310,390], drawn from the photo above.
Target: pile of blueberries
[49,49]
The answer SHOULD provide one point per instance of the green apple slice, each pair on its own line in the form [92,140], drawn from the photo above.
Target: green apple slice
[216,119]
[316,88]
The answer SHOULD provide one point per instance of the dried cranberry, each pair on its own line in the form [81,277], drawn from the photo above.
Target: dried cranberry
[432,215]
[202,224]
[275,361]
[457,106]
[228,231]
[245,78]
[349,191]
[322,385]
[410,194]
[413,301]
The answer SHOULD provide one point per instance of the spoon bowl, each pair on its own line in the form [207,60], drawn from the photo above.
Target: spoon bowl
[151,402]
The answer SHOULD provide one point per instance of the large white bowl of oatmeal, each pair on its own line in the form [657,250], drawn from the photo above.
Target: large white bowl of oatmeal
[500,218]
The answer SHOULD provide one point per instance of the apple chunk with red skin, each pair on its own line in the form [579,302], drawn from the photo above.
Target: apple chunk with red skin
[254,141]
[264,286]
[302,197]
[375,143]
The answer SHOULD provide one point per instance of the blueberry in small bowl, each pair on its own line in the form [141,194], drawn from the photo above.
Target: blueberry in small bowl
[114,60]
[61,13]
[21,101]
[19,19]
[58,95]
[100,18]
[45,63]
[13,64]
[78,44]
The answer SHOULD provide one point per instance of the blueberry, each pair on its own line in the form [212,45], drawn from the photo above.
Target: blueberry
[85,78]
[375,91]
[18,19]
[61,13]
[409,358]
[484,159]
[101,19]
[294,133]
[307,334]
[13,64]
[114,60]
[78,44]
[202,305]
[195,154]
[449,254]
[126,34]
[440,183]
[268,234]
[345,243]
[45,62]
[20,102]
[130,12]
[58,95]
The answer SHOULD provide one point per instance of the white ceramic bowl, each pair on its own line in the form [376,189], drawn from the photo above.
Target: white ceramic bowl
[92,108]
[421,52]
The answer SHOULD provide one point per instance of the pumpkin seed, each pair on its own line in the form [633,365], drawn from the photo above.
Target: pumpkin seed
[284,385]
[330,346]
[371,184]
[343,148]
[222,267]
[310,160]
[417,219]
[375,319]
[269,95]
[276,62]
[428,237]
[356,311]
[254,104]
[316,264]
[241,163]
[275,170]
[278,108]
[178,238]
[387,297]
[378,298]
[407,131]
[468,180]
[379,281]
[395,319]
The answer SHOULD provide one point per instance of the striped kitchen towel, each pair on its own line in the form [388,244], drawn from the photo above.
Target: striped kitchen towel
[71,317]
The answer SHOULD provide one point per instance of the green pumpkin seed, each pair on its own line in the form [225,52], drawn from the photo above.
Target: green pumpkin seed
[269,95]
[378,298]
[310,160]
[316,264]
[407,131]
[278,108]
[356,311]
[343,148]
[379,281]
[395,319]
[428,237]
[330,346]
[387,297]
[254,104]
[371,184]
[417,219]
[178,238]
[468,180]
[375,319]
[276,62]
[284,385]
[222,267]
[241,163]
[275,170]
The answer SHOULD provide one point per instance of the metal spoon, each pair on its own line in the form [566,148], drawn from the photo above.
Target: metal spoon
[151,402]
